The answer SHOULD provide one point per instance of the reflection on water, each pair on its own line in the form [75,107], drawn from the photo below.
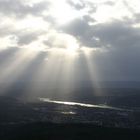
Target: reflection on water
[78,104]
[69,113]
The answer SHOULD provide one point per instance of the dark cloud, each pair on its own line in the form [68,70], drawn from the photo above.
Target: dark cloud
[118,34]
[121,62]
[121,42]
[78,6]
[26,37]
[83,32]
[115,34]
[110,3]
[128,6]
[77,27]
[88,18]
[136,18]
[7,54]
[6,30]
[92,7]
[18,8]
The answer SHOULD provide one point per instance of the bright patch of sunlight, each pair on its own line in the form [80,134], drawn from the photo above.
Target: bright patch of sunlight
[63,12]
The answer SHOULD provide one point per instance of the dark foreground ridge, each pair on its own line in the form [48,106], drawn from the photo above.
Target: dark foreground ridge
[50,131]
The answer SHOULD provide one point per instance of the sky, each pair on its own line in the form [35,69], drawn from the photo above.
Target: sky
[65,41]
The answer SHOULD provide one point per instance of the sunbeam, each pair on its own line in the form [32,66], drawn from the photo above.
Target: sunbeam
[93,70]
[55,73]
[15,67]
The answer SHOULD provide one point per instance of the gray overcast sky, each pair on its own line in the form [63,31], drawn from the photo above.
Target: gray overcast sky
[95,40]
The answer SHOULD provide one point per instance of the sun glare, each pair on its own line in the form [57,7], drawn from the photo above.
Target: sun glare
[63,12]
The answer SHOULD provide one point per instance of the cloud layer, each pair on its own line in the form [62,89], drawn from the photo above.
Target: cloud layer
[109,29]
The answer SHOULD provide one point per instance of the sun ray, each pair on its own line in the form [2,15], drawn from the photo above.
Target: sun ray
[16,67]
[93,71]
[54,74]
